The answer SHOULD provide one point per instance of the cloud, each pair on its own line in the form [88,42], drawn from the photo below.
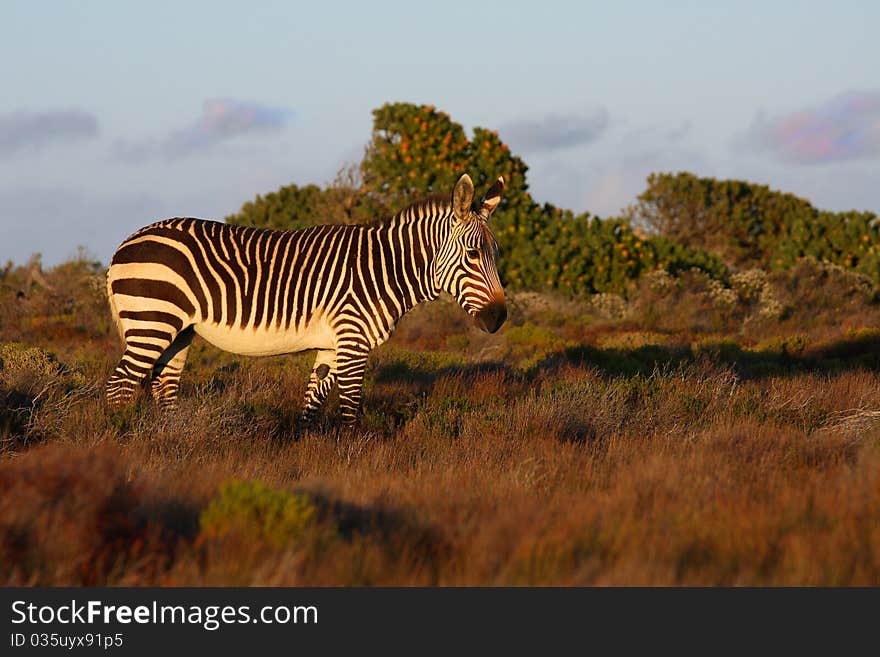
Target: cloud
[224,119]
[134,152]
[679,132]
[655,136]
[846,127]
[221,120]
[555,132]
[23,130]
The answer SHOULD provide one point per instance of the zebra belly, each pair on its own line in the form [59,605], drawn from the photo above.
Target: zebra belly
[267,341]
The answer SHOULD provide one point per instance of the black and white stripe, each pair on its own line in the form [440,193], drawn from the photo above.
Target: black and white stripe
[337,289]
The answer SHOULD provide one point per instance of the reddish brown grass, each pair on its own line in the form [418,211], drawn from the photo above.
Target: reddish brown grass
[536,456]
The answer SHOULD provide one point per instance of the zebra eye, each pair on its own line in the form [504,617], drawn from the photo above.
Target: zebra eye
[473,254]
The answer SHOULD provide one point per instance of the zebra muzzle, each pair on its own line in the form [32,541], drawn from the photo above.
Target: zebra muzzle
[492,316]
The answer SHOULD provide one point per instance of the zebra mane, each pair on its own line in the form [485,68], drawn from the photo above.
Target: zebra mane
[433,204]
[437,205]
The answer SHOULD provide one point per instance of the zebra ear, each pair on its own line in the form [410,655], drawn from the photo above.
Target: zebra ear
[463,198]
[492,198]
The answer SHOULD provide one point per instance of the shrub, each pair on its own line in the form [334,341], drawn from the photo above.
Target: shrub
[30,378]
[609,306]
[751,225]
[692,300]
[787,345]
[717,348]
[631,340]
[292,207]
[68,302]
[749,284]
[18,359]
[253,509]
[529,343]
[815,293]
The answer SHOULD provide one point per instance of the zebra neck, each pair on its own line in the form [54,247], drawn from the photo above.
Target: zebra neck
[416,242]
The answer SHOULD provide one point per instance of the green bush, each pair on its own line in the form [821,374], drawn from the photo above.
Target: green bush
[784,345]
[253,509]
[290,208]
[751,225]
[717,348]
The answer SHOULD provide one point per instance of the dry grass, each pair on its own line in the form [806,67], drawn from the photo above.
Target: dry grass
[567,449]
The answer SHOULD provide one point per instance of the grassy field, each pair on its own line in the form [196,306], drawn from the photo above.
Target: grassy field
[691,434]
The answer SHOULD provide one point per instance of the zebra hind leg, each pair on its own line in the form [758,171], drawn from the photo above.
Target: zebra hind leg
[136,365]
[167,370]
[121,385]
[321,382]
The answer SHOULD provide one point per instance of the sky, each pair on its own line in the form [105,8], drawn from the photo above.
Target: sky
[116,114]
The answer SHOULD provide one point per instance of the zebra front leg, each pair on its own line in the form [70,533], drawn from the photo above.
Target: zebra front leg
[321,382]
[167,370]
[351,365]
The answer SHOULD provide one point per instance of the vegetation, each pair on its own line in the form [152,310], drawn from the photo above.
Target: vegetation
[690,434]
[257,512]
[750,225]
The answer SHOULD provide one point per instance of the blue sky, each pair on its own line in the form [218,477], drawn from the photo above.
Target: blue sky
[115,114]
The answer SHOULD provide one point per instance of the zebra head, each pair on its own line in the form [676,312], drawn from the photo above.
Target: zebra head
[466,264]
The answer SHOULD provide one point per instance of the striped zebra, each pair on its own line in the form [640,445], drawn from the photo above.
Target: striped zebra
[337,289]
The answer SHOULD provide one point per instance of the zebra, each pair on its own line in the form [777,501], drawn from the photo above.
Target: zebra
[336,289]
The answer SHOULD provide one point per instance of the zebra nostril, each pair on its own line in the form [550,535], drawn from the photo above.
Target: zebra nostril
[492,316]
